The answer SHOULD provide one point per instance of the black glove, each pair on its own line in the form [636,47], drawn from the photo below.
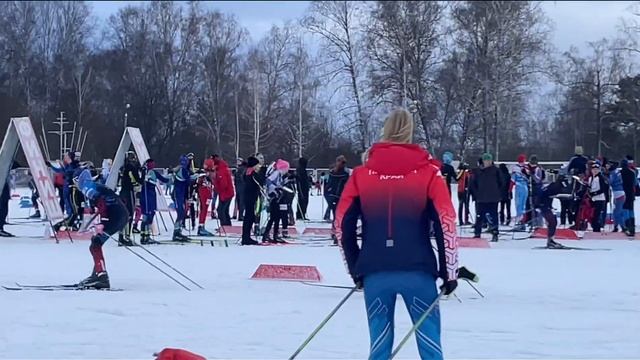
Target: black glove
[358,281]
[449,286]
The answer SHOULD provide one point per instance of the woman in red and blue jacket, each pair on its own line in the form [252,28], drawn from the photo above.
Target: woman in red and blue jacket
[390,196]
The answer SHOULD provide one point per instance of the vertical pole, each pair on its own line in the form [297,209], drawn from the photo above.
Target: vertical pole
[237,125]
[598,90]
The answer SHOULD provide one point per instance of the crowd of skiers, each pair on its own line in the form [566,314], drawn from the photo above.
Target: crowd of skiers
[583,187]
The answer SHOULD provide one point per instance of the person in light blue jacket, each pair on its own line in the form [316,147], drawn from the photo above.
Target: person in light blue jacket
[521,181]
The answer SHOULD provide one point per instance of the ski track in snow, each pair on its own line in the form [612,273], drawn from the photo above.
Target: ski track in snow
[539,304]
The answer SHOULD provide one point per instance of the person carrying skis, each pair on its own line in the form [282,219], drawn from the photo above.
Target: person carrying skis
[463,193]
[129,185]
[447,169]
[181,189]
[114,216]
[223,186]
[253,188]
[389,194]
[148,199]
[629,185]
[597,188]
[487,185]
[274,183]
[304,186]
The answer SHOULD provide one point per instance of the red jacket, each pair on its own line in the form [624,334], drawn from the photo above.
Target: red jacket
[389,194]
[223,183]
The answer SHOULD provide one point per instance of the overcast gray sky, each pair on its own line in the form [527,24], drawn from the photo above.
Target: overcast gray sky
[576,22]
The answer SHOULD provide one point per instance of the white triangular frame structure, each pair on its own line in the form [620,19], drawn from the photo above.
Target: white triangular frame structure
[20,133]
[131,136]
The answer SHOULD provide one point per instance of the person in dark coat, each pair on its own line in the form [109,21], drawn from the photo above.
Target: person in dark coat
[129,181]
[578,163]
[447,169]
[303,185]
[253,187]
[238,181]
[5,196]
[487,190]
[338,177]
[629,184]
[506,192]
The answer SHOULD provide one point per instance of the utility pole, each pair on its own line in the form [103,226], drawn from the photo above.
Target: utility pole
[62,133]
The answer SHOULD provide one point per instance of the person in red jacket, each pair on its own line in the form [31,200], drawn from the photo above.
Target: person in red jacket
[390,194]
[223,184]
[203,186]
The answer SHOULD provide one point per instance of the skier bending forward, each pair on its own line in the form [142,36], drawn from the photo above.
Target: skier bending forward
[390,194]
[113,215]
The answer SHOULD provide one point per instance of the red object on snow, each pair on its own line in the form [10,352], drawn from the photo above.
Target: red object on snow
[317,231]
[178,354]
[468,242]
[561,234]
[287,272]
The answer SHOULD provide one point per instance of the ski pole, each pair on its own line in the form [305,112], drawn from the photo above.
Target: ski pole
[171,267]
[474,288]
[417,324]
[323,323]
[153,265]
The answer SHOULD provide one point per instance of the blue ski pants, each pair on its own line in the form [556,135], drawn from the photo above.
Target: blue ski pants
[618,211]
[418,289]
[522,193]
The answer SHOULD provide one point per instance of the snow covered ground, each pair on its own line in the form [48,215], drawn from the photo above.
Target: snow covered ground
[539,303]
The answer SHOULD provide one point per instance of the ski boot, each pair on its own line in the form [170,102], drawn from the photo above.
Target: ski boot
[4,233]
[267,239]
[249,242]
[494,236]
[203,232]
[96,281]
[285,234]
[135,229]
[177,236]
[125,240]
[335,239]
[464,273]
[145,239]
[552,244]
[278,240]
[519,227]
[615,229]
[36,215]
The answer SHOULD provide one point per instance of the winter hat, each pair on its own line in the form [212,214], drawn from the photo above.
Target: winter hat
[282,165]
[447,157]
[398,127]
[624,163]
[184,161]
[252,161]
[629,159]
[150,164]
[595,165]
[533,159]
[579,150]
[487,157]
[522,158]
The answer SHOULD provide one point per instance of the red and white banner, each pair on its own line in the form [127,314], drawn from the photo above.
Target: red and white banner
[39,169]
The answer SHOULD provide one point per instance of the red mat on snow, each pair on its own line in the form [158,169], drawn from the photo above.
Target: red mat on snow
[561,234]
[469,242]
[287,272]
[63,235]
[608,236]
